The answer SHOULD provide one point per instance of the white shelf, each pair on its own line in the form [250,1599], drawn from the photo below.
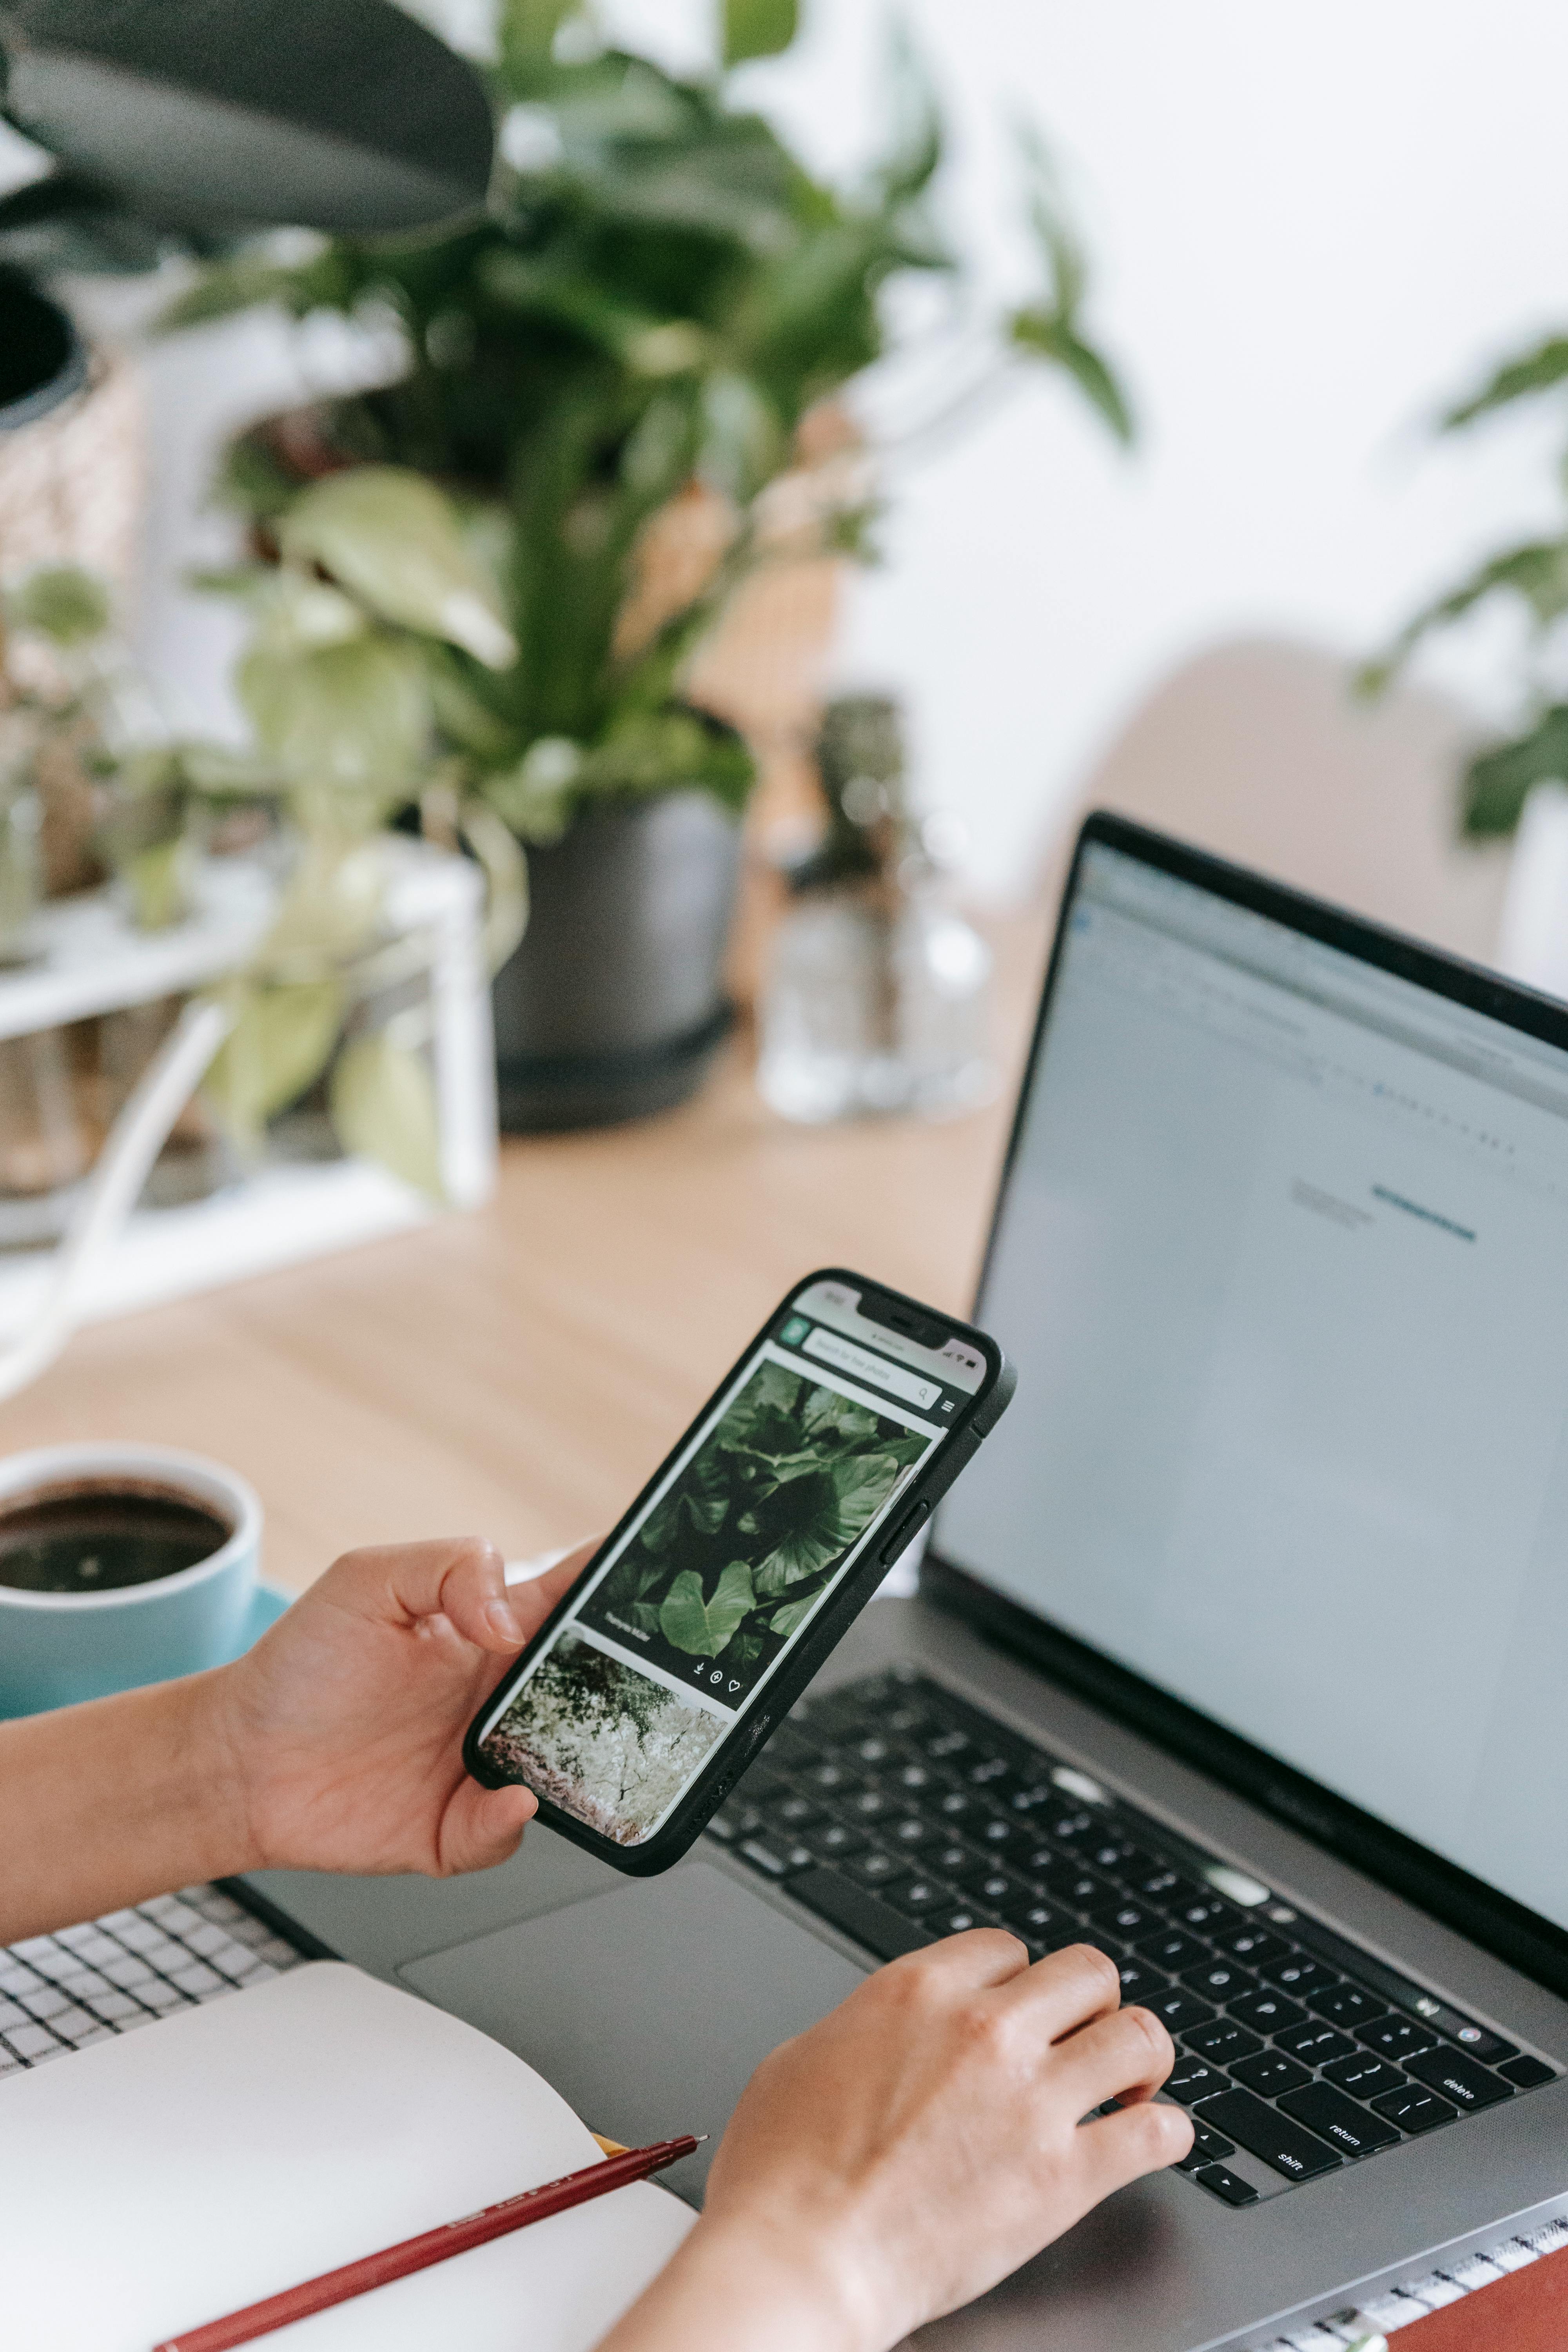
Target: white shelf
[92,960]
[273,1219]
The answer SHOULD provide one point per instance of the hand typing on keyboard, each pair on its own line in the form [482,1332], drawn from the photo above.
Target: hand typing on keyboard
[914,2147]
[334,1743]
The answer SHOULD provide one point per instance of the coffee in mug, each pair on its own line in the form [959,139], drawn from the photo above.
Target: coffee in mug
[120,1564]
[102,1536]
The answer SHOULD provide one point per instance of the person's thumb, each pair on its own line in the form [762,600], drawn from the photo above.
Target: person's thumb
[482,1827]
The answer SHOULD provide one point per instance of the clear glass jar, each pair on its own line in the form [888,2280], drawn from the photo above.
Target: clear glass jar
[873,1008]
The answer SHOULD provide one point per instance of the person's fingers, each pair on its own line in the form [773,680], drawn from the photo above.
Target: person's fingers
[1120,2147]
[482,1827]
[1068,1990]
[460,1577]
[979,1957]
[1125,2055]
[533,1598]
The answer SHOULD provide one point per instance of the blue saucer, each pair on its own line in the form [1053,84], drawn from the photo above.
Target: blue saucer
[267,1605]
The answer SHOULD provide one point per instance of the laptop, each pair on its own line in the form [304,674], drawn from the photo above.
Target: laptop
[1240,1651]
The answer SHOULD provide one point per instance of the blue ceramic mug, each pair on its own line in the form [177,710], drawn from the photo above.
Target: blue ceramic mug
[58,1647]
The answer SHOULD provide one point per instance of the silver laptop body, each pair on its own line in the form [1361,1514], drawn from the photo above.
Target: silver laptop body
[1263,1579]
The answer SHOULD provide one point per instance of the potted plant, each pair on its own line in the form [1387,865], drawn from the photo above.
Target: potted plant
[644,325]
[1531,578]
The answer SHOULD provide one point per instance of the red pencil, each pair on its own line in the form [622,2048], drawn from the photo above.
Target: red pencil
[434,2246]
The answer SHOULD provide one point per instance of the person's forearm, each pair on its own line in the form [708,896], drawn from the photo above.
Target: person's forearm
[728,2286]
[103,1805]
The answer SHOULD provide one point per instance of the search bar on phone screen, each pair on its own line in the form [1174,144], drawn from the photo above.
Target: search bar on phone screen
[843,1354]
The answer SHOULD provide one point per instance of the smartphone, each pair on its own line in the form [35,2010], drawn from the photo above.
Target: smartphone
[704,1614]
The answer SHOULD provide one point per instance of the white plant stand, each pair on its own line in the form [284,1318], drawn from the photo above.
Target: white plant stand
[91,961]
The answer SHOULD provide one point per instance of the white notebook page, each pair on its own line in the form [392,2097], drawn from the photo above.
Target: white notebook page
[155,2181]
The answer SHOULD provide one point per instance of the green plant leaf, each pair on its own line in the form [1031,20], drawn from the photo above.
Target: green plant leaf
[1538,371]
[757,29]
[794,1613]
[1497,785]
[383,1107]
[394,540]
[1043,335]
[350,722]
[60,601]
[704,1628]
[282,1037]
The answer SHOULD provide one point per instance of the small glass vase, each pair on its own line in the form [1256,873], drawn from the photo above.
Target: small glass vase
[878,1001]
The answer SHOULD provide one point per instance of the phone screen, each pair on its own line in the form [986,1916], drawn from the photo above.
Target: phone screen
[762,1512]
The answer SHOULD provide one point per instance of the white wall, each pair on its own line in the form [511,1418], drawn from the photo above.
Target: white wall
[1310,226]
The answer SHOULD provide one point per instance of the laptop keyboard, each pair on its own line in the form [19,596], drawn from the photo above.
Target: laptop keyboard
[899,1813]
[60,1993]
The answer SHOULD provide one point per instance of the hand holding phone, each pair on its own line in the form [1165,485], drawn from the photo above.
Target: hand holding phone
[739,1566]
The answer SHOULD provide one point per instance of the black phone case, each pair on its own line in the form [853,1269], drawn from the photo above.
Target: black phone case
[740,1748]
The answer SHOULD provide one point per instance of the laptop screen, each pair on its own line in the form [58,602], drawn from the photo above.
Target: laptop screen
[1283,1264]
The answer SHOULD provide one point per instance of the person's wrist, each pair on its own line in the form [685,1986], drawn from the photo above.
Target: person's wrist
[218,1759]
[800,2272]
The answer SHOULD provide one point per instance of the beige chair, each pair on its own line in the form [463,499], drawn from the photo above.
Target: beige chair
[1259,750]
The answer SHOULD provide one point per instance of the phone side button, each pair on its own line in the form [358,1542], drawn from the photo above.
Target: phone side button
[859,1915]
[904,1534]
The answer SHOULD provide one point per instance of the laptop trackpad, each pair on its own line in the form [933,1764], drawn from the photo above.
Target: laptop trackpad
[648,2007]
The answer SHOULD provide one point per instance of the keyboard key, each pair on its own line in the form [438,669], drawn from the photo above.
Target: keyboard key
[1470,2086]
[951,1859]
[1255,1946]
[997,1834]
[1267,2012]
[1173,1949]
[957,1921]
[1219,1981]
[1315,2044]
[1190,2079]
[1208,2146]
[1125,1919]
[1526,2073]
[47,2002]
[875,1868]
[793,1811]
[1041,1922]
[1414,2109]
[1228,2185]
[1270,2073]
[1141,1983]
[835,1842]
[868,1805]
[1121,1860]
[857,1912]
[1300,1975]
[1167,1887]
[1286,2147]
[1363,2076]
[160,1996]
[996,1889]
[1206,1914]
[1080,1890]
[1346,2005]
[775,1860]
[1395,2037]
[908,1831]
[915,1896]
[109,2008]
[1338,2120]
[1178,2011]
[1222,2042]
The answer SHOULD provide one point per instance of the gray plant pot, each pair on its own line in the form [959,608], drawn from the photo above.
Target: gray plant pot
[613,1005]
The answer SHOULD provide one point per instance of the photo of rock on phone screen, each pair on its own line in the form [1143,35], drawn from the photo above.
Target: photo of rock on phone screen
[684,1619]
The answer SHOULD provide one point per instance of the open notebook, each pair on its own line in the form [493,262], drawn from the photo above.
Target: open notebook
[153,2182]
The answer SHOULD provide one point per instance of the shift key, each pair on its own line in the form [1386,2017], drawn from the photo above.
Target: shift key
[1298,2155]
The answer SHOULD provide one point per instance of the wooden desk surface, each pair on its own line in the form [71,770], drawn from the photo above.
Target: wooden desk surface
[518,1372]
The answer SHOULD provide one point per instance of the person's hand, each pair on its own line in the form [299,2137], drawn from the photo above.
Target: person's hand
[342,1730]
[914,2147]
